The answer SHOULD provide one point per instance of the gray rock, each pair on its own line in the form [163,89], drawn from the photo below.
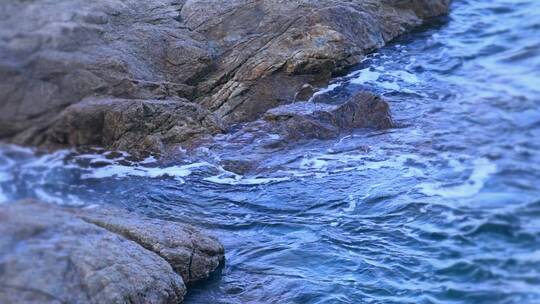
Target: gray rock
[191,254]
[268,50]
[241,151]
[54,54]
[51,254]
[236,58]
[306,120]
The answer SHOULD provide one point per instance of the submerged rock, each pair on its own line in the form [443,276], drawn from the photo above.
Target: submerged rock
[236,59]
[50,254]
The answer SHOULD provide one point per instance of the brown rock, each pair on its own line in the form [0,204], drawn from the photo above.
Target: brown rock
[323,121]
[236,58]
[269,49]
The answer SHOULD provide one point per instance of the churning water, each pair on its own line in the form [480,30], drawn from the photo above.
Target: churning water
[445,209]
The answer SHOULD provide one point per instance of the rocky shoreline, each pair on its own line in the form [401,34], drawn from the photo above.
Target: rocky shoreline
[242,150]
[147,77]
[144,76]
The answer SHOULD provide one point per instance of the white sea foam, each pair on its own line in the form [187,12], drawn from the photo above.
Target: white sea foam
[46,197]
[149,160]
[373,75]
[392,86]
[55,159]
[328,89]
[364,76]
[483,168]
[352,204]
[17,149]
[69,200]
[406,77]
[370,75]
[397,162]
[121,171]
[235,179]
[324,164]
[313,163]
[274,136]
[95,159]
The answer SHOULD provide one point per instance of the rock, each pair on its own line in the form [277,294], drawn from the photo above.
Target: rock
[237,59]
[319,120]
[51,254]
[242,150]
[55,54]
[306,92]
[131,125]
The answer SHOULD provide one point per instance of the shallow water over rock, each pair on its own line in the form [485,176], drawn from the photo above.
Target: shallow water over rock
[445,208]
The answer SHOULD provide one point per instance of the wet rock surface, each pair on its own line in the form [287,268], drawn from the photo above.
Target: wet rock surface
[241,149]
[54,255]
[323,121]
[236,59]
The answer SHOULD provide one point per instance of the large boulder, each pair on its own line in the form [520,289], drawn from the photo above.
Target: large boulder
[191,253]
[50,254]
[236,58]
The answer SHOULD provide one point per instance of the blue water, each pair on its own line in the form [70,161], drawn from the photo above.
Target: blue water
[444,209]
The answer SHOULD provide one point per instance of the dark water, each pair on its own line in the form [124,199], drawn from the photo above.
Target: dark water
[445,209]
